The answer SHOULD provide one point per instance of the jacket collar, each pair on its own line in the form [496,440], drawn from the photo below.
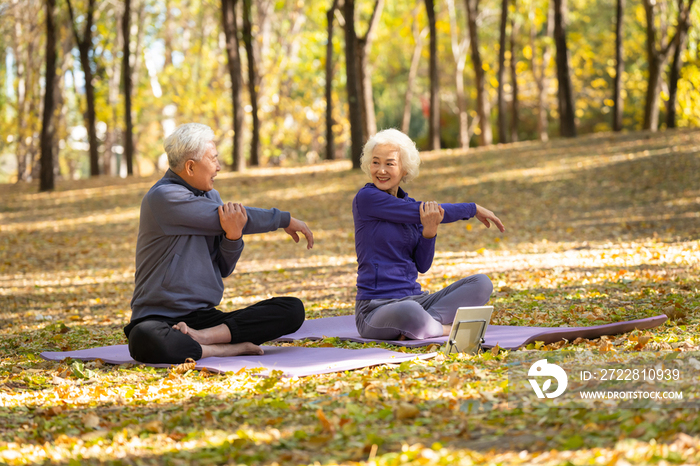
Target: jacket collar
[171,177]
[401,194]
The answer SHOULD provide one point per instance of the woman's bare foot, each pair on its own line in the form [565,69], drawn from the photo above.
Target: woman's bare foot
[402,337]
[207,336]
[446,330]
[230,349]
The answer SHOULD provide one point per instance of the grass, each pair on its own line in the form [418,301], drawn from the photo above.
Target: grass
[600,229]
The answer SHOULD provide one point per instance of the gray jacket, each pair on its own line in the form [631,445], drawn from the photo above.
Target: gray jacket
[182,253]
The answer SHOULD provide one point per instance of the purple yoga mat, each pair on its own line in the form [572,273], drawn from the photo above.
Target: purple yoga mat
[506,336]
[344,328]
[291,360]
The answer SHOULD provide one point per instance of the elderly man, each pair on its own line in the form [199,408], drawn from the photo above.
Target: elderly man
[188,241]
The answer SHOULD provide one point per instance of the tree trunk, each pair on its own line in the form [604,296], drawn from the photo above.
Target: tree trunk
[168,35]
[114,79]
[619,102]
[515,110]
[651,106]
[25,41]
[46,176]
[137,56]
[138,11]
[364,73]
[198,46]
[228,9]
[33,100]
[567,116]
[656,56]
[502,111]
[539,71]
[364,78]
[84,47]
[679,45]
[66,65]
[90,111]
[352,85]
[434,123]
[252,80]
[330,140]
[673,75]
[126,75]
[418,36]
[20,89]
[483,108]
[459,52]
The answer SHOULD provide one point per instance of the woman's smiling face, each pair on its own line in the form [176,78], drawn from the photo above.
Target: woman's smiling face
[385,168]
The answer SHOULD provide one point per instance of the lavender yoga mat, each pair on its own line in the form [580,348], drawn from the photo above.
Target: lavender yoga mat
[291,360]
[506,336]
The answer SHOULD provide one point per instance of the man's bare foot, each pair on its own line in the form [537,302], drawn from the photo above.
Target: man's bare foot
[207,336]
[230,349]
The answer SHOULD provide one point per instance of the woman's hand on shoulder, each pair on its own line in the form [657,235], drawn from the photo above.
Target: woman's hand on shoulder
[431,214]
[484,215]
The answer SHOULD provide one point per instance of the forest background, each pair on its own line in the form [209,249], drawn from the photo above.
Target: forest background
[602,227]
[451,74]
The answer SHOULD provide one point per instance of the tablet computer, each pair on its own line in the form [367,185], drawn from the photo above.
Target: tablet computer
[468,329]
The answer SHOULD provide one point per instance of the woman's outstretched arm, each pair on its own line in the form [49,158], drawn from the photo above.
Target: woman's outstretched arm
[485,215]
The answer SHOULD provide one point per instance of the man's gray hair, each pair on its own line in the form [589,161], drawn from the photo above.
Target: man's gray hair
[188,141]
[410,160]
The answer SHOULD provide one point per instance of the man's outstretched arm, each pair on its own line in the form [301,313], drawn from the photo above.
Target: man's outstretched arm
[264,220]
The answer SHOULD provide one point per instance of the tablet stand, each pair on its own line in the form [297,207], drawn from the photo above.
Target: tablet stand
[452,343]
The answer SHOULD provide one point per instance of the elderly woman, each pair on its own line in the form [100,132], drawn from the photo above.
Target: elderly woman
[395,239]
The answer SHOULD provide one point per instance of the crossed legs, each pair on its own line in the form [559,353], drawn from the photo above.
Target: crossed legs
[422,316]
[211,332]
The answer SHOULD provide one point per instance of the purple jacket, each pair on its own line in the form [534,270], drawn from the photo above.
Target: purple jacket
[389,242]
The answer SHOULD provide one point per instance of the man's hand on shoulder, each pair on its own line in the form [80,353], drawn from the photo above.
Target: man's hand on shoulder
[233,218]
[297,226]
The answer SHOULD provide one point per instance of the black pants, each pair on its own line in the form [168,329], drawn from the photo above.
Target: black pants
[153,340]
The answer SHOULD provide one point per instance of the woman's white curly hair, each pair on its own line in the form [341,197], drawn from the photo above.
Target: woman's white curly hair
[410,160]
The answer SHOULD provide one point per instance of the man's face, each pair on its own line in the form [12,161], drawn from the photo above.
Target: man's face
[201,173]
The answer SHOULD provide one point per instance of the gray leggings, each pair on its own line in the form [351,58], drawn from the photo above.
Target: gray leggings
[420,316]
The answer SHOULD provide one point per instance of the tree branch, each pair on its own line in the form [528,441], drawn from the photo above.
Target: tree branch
[374,20]
[72,23]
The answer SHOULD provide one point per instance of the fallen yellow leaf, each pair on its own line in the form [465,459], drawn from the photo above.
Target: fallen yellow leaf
[91,421]
[327,425]
[188,365]
[155,427]
[642,342]
[406,411]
